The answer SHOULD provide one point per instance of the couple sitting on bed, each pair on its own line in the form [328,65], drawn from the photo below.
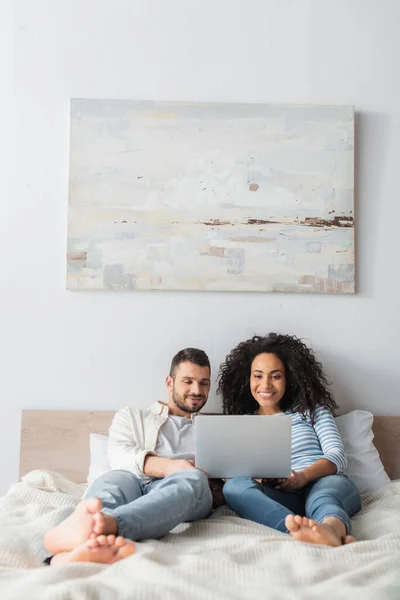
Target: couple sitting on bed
[154,484]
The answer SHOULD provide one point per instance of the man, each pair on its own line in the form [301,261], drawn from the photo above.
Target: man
[149,450]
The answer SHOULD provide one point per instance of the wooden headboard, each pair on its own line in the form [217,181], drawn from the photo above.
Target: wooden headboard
[59,441]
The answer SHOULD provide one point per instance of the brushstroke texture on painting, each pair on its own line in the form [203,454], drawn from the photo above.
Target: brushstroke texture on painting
[181,196]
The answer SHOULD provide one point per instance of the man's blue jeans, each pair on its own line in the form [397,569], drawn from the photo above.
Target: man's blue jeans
[330,496]
[151,510]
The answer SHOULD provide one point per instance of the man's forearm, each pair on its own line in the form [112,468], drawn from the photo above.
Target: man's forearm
[155,466]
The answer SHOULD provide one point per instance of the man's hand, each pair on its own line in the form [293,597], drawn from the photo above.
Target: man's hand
[175,465]
[296,481]
[157,466]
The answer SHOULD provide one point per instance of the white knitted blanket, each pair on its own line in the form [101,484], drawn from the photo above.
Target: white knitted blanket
[223,557]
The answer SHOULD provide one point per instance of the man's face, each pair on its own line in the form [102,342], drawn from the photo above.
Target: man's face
[189,387]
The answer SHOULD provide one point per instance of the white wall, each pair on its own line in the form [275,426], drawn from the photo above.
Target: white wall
[102,350]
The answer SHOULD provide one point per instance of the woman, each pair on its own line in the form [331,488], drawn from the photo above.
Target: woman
[276,375]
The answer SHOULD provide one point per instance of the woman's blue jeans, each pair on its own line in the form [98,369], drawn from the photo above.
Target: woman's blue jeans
[330,496]
[151,510]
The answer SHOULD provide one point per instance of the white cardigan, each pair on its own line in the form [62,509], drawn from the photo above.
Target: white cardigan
[133,435]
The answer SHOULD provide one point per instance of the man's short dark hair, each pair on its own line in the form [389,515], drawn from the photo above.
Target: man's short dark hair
[193,355]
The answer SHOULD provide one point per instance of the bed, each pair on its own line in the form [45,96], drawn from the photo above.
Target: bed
[221,557]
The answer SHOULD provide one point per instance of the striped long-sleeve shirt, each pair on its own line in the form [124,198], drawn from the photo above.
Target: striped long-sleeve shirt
[312,442]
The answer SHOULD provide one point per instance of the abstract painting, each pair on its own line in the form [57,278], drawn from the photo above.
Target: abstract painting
[211,197]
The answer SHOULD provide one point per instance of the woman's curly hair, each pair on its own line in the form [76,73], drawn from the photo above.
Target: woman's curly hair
[306,384]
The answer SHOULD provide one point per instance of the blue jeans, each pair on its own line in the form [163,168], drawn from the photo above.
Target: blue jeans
[330,496]
[151,510]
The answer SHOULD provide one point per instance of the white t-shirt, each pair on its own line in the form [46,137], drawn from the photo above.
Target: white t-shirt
[176,438]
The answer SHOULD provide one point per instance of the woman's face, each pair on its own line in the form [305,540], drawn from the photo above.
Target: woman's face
[267,382]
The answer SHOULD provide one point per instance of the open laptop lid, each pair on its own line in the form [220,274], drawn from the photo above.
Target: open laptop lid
[243,445]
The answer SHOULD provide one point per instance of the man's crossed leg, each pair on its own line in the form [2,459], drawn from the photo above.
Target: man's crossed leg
[119,509]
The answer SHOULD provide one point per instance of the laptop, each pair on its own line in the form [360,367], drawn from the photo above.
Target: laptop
[243,445]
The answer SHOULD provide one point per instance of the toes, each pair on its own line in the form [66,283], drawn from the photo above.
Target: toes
[98,527]
[312,523]
[102,540]
[314,526]
[291,523]
[126,550]
[99,518]
[111,540]
[94,505]
[315,529]
[349,539]
[299,520]
[120,541]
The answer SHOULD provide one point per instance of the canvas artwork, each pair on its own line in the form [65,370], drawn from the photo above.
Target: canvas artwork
[186,196]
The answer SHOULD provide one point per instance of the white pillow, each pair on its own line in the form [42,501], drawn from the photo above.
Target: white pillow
[98,456]
[365,467]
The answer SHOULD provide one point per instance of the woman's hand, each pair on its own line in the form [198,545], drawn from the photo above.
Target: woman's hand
[296,481]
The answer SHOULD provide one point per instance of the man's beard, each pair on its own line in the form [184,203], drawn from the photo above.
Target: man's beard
[181,404]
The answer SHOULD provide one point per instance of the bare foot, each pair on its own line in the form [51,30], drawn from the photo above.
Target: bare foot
[101,549]
[75,529]
[104,524]
[311,532]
